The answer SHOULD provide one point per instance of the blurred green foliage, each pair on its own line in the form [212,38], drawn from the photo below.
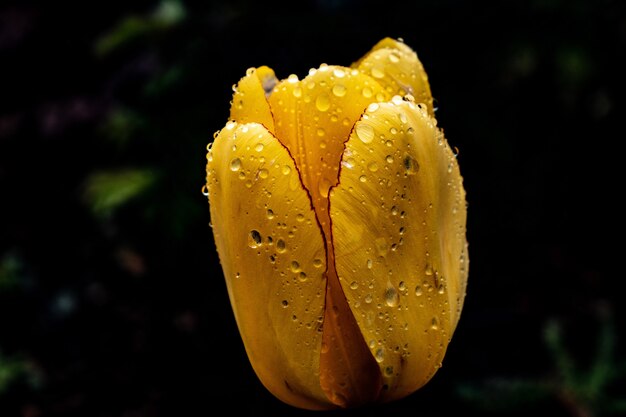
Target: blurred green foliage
[585,391]
[167,14]
[105,191]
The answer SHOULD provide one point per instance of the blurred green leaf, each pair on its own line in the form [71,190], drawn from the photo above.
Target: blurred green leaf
[107,190]
[502,394]
[10,370]
[10,265]
[162,82]
[169,13]
[121,124]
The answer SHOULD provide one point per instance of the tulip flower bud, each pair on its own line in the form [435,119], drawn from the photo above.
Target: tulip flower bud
[339,216]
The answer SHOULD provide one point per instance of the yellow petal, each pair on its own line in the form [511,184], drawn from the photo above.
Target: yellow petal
[398,222]
[249,99]
[313,119]
[273,256]
[397,68]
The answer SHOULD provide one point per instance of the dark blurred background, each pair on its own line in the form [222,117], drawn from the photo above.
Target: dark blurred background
[112,300]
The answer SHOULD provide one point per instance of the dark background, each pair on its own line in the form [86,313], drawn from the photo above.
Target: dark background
[112,300]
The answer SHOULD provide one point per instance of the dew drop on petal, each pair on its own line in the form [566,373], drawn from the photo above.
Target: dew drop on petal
[339,90]
[365,132]
[339,73]
[235,164]
[322,102]
[391,297]
[378,72]
[380,354]
[255,239]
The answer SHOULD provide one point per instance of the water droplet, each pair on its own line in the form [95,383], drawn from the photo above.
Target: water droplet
[378,72]
[295,266]
[363,178]
[368,298]
[372,166]
[410,165]
[302,276]
[205,190]
[394,211]
[300,217]
[394,58]
[369,264]
[434,324]
[235,164]
[441,289]
[293,78]
[339,90]
[373,107]
[263,173]
[339,73]
[349,163]
[418,290]
[297,91]
[354,285]
[322,102]
[286,170]
[259,147]
[380,354]
[270,214]
[324,187]
[389,370]
[391,297]
[367,92]
[389,159]
[285,303]
[428,269]
[320,132]
[402,286]
[317,263]
[365,132]
[281,247]
[255,239]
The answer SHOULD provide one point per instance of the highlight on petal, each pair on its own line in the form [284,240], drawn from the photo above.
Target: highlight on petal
[249,99]
[397,68]
[398,226]
[273,256]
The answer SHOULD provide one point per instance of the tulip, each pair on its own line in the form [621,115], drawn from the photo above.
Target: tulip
[339,216]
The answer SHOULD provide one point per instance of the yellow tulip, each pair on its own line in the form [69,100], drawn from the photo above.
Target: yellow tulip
[338,212]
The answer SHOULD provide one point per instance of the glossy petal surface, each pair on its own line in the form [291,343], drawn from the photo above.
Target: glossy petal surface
[397,68]
[273,256]
[398,222]
[249,99]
